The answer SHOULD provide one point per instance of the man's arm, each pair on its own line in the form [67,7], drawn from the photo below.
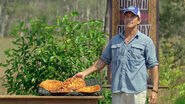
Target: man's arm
[155,78]
[98,65]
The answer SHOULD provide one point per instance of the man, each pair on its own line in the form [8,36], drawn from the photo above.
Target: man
[130,54]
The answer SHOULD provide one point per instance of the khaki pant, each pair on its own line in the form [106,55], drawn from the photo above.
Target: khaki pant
[125,98]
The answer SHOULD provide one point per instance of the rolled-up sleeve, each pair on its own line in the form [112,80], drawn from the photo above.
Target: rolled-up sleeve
[150,52]
[106,56]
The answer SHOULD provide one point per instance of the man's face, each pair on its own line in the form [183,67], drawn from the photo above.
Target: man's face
[131,20]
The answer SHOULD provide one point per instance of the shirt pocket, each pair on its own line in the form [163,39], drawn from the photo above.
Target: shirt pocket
[136,52]
[116,51]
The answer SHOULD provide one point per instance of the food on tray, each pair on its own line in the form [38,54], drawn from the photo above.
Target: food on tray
[51,85]
[74,83]
[89,89]
[69,86]
[61,91]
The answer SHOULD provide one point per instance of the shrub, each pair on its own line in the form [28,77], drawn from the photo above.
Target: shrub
[107,97]
[51,52]
[171,68]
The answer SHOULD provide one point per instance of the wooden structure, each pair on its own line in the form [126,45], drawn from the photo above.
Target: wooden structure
[149,15]
[25,99]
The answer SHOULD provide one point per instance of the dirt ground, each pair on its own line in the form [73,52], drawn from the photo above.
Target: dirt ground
[2,89]
[5,43]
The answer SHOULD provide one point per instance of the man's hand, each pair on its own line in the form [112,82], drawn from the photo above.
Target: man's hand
[98,65]
[153,98]
[80,75]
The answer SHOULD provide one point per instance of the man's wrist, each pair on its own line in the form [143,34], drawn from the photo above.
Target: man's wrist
[154,91]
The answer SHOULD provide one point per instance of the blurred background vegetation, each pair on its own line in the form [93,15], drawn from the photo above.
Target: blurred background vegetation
[13,12]
[171,34]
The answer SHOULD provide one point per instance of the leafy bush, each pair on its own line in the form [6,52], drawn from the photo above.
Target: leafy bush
[172,68]
[180,100]
[172,58]
[107,97]
[51,52]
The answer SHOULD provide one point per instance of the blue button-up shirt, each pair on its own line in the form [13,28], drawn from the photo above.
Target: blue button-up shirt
[129,62]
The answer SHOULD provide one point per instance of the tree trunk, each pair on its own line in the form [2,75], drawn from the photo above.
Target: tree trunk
[76,5]
[76,8]
[88,13]
[106,21]
[106,31]
[4,17]
[97,3]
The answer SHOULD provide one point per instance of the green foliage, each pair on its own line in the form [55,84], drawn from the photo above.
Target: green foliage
[107,97]
[171,69]
[180,100]
[171,50]
[171,18]
[23,10]
[51,52]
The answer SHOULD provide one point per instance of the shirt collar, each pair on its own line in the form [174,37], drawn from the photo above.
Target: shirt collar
[122,36]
